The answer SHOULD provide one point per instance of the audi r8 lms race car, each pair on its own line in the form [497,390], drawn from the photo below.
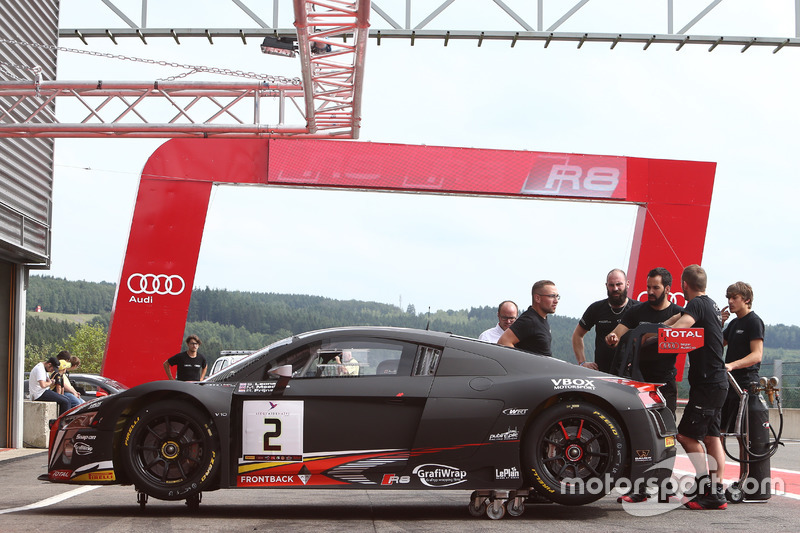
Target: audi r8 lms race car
[376,408]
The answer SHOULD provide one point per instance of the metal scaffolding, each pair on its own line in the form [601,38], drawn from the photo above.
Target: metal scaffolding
[331,36]
[331,41]
[531,20]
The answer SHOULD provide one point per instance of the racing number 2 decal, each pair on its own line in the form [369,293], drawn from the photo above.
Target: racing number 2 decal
[276,422]
[272,431]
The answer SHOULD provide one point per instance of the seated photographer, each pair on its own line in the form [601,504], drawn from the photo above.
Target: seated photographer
[348,366]
[62,385]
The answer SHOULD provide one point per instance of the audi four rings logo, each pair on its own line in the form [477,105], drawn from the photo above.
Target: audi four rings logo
[156,284]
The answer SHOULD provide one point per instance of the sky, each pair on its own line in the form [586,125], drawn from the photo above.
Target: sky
[739,110]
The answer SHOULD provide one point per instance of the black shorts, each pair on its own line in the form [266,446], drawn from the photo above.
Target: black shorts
[701,417]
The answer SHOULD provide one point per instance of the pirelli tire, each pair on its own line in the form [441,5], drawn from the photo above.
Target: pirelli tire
[573,452]
[170,450]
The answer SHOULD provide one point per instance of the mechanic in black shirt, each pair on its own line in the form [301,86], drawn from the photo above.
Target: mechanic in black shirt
[605,314]
[658,310]
[708,388]
[744,338]
[191,364]
[531,331]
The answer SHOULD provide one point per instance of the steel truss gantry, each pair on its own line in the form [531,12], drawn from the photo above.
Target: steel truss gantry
[327,96]
[138,109]
[418,19]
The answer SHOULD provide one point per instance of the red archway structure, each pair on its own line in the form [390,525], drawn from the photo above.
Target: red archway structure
[154,291]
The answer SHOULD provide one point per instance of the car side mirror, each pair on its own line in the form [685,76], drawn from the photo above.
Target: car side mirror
[284,371]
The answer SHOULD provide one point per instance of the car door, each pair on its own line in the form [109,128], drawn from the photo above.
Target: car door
[351,409]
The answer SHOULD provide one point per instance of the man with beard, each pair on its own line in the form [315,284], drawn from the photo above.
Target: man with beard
[657,311]
[605,314]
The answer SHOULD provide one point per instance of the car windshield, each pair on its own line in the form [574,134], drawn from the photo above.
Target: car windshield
[114,383]
[232,369]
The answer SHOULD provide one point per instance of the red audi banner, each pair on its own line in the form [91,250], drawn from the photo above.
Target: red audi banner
[440,169]
[154,290]
[155,287]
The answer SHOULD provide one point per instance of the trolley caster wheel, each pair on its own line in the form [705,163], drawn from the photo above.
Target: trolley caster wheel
[734,493]
[477,504]
[141,499]
[496,509]
[515,506]
[194,500]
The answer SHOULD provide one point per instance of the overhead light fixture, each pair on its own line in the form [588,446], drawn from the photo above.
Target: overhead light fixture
[283,46]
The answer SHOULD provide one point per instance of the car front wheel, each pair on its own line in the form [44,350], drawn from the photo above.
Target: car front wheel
[170,450]
[573,453]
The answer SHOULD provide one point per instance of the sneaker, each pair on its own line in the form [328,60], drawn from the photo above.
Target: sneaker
[632,497]
[705,503]
[712,500]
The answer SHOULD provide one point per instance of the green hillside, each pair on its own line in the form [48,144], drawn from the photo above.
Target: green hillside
[76,315]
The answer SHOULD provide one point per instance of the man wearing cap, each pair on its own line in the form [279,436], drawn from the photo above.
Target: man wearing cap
[39,384]
[66,388]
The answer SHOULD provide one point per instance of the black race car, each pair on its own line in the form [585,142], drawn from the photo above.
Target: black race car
[92,386]
[376,408]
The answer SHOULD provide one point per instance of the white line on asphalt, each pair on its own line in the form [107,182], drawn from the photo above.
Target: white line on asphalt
[52,500]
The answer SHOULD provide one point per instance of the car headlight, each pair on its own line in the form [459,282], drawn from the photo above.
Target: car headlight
[63,443]
[80,419]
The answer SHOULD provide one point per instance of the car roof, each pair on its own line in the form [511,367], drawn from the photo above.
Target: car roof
[434,336]
[98,379]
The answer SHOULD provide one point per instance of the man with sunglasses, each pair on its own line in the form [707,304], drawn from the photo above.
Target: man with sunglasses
[531,331]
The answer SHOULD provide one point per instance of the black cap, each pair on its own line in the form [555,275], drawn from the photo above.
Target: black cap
[52,361]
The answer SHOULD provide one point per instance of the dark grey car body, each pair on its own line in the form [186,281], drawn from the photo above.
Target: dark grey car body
[418,409]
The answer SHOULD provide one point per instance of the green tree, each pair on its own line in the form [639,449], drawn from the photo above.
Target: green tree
[36,353]
[88,343]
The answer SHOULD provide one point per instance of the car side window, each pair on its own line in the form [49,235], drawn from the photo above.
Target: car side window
[360,357]
[83,387]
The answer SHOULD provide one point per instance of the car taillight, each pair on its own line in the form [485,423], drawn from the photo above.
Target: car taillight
[651,398]
[648,392]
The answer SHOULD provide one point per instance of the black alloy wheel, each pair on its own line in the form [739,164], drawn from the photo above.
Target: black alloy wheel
[171,450]
[573,452]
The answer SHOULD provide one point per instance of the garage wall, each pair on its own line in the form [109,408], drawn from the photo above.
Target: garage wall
[26,192]
[26,165]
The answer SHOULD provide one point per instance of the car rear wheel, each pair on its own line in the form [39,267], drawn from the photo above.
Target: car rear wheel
[170,450]
[573,452]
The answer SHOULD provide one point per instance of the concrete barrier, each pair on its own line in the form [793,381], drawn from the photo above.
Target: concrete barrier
[36,418]
[791,422]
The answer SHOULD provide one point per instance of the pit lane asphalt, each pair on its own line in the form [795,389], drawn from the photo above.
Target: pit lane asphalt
[110,509]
